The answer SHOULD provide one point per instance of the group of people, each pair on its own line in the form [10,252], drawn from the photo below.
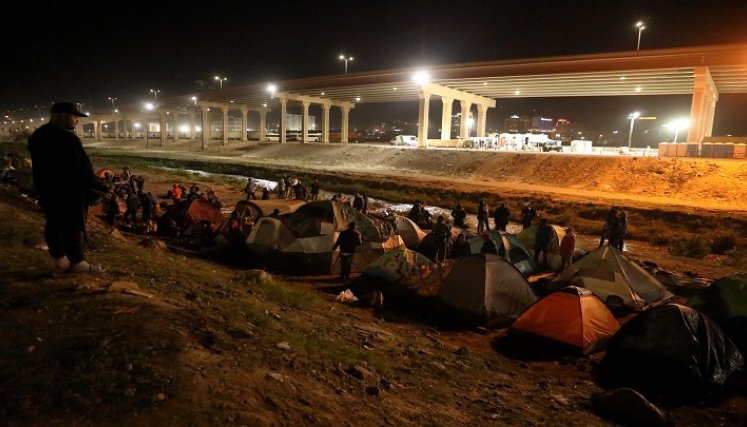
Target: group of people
[290,187]
[501,216]
[179,192]
[421,216]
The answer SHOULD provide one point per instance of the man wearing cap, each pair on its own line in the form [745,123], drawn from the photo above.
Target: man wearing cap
[348,241]
[66,185]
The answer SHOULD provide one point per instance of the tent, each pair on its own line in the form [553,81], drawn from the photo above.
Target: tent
[397,265]
[102,173]
[607,272]
[726,298]
[327,216]
[509,247]
[410,232]
[280,249]
[260,208]
[671,347]
[486,288]
[725,301]
[526,237]
[189,214]
[427,245]
[572,316]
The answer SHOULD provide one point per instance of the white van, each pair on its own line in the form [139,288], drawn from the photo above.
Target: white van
[408,140]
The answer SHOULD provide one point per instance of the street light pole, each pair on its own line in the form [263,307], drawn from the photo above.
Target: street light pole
[155,93]
[221,80]
[640,27]
[632,118]
[346,59]
[112,100]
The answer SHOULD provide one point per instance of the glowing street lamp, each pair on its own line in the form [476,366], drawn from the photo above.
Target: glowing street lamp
[677,126]
[221,80]
[632,117]
[640,27]
[149,106]
[112,100]
[421,77]
[346,59]
[155,93]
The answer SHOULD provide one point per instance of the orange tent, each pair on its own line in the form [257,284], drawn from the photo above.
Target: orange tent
[102,173]
[572,316]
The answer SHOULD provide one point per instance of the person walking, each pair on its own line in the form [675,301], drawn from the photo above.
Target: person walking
[315,190]
[567,248]
[501,216]
[609,227]
[348,242]
[527,216]
[66,185]
[459,214]
[482,216]
[281,188]
[251,190]
[442,235]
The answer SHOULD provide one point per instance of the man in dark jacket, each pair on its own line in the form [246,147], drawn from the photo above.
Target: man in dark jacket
[488,245]
[527,216]
[442,235]
[501,215]
[348,241]
[542,239]
[66,186]
[459,214]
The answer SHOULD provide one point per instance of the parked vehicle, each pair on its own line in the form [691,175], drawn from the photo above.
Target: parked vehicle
[407,140]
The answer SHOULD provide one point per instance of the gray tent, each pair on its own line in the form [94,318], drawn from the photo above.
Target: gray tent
[607,272]
[486,288]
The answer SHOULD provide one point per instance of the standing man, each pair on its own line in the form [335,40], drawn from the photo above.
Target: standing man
[315,190]
[501,215]
[542,239]
[348,241]
[66,185]
[442,233]
[527,215]
[251,190]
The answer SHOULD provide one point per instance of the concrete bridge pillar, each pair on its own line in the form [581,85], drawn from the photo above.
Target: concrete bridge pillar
[703,108]
[283,119]
[175,127]
[344,133]
[425,99]
[325,123]
[205,127]
[305,124]
[192,125]
[464,119]
[481,119]
[446,117]
[262,125]
[162,128]
[244,123]
[225,124]
[97,124]
[116,128]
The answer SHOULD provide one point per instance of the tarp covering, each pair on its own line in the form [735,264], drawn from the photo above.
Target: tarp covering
[487,288]
[527,235]
[509,247]
[607,272]
[573,316]
[671,347]
[102,173]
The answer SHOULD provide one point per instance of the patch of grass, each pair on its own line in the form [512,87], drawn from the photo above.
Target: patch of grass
[287,294]
[723,244]
[694,247]
[337,351]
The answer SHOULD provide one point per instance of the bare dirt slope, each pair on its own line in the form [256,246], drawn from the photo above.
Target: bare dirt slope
[701,183]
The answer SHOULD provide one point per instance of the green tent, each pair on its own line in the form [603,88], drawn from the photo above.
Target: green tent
[509,247]
[526,236]
[726,298]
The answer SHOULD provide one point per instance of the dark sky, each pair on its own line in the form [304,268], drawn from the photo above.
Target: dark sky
[88,51]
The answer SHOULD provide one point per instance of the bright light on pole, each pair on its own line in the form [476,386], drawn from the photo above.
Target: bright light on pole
[194,100]
[346,59]
[221,80]
[272,88]
[155,93]
[112,100]
[421,77]
[677,126]
[149,106]
[632,117]
[640,27]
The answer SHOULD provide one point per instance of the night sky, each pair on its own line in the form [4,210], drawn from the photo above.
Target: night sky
[89,51]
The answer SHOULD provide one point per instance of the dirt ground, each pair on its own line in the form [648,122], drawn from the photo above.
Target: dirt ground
[201,343]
